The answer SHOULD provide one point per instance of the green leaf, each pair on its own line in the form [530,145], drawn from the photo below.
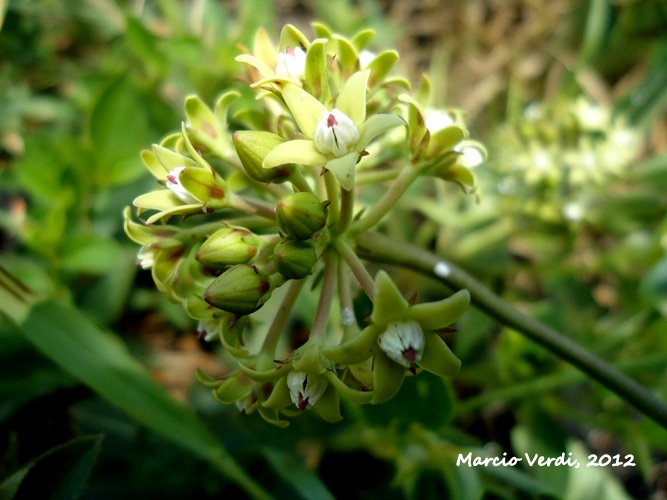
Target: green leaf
[294,472]
[91,254]
[103,363]
[25,375]
[118,126]
[143,45]
[654,286]
[59,473]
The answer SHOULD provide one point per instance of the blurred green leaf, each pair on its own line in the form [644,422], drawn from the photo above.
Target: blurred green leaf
[102,362]
[58,474]
[143,45]
[3,11]
[104,299]
[118,124]
[91,253]
[25,375]
[654,286]
[291,469]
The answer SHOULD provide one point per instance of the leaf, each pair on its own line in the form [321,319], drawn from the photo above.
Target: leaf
[25,375]
[118,125]
[102,362]
[293,471]
[91,254]
[654,286]
[59,473]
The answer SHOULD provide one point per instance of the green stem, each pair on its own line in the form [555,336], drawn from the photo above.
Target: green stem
[390,197]
[345,298]
[332,195]
[346,209]
[255,207]
[376,176]
[319,328]
[299,181]
[281,317]
[357,267]
[380,248]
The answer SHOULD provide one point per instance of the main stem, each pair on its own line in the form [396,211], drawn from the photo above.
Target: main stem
[379,248]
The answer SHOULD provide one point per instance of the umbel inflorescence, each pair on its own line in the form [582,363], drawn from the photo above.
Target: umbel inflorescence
[260,206]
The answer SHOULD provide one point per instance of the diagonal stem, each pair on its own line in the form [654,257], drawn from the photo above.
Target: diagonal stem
[380,248]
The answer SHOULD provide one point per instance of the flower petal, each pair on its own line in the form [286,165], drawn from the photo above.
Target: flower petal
[280,396]
[355,350]
[390,305]
[304,107]
[438,357]
[297,151]
[316,62]
[183,209]
[162,199]
[263,47]
[353,395]
[233,389]
[290,36]
[352,97]
[171,159]
[263,68]
[381,65]
[343,169]
[435,315]
[387,378]
[376,125]
[328,406]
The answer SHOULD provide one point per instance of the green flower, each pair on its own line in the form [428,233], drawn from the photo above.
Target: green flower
[400,336]
[334,138]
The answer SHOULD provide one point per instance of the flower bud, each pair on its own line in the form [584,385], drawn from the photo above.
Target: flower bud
[300,215]
[252,147]
[294,259]
[228,246]
[205,185]
[241,289]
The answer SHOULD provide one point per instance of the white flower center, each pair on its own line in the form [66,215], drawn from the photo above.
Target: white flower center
[305,389]
[146,257]
[209,328]
[174,184]
[335,133]
[403,342]
[291,63]
[365,58]
[437,119]
[470,156]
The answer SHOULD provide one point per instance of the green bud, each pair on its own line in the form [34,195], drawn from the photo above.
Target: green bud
[205,185]
[300,215]
[228,246]
[294,259]
[252,147]
[241,289]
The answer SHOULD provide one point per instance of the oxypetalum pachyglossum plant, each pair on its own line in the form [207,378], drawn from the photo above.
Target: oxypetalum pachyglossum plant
[273,196]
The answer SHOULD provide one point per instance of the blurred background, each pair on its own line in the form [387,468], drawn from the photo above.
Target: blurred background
[569,224]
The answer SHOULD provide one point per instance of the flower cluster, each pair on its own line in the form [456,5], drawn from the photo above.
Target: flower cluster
[560,150]
[247,214]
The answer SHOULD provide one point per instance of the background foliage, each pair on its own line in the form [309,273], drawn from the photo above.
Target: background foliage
[85,85]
